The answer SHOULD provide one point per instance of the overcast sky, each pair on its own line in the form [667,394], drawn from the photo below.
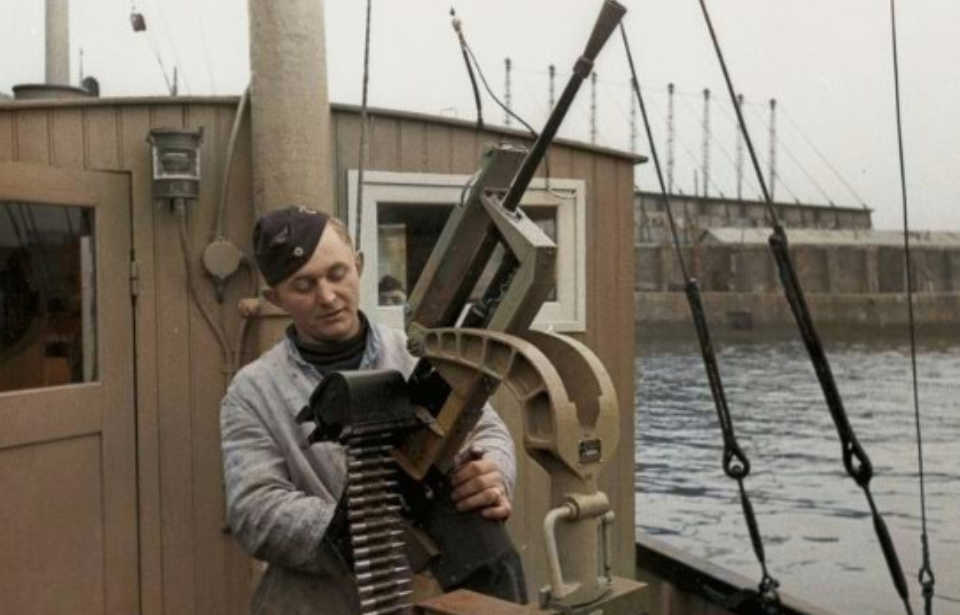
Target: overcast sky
[827,62]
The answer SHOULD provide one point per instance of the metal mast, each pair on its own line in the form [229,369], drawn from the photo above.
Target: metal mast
[552,71]
[740,154]
[773,149]
[671,138]
[593,108]
[507,98]
[633,122]
[705,162]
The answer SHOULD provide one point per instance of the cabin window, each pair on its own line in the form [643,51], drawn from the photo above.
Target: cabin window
[47,296]
[406,235]
[404,214]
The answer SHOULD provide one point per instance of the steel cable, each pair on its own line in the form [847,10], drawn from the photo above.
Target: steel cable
[478,103]
[926,576]
[364,120]
[736,465]
[855,459]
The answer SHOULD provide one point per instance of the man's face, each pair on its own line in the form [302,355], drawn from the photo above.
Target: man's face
[323,296]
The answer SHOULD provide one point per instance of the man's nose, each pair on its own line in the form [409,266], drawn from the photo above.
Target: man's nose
[326,294]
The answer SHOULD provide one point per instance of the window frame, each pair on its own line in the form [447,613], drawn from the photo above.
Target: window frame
[568,196]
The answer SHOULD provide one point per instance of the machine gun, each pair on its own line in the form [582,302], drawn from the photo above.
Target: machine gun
[468,350]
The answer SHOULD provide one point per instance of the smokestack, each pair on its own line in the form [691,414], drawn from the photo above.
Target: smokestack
[58,42]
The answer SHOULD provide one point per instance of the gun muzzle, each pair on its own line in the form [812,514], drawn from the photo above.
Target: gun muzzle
[610,16]
[608,20]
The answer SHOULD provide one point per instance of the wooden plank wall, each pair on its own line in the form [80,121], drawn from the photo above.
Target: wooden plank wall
[189,565]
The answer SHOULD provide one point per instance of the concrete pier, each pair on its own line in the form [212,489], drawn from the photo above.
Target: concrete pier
[845,285]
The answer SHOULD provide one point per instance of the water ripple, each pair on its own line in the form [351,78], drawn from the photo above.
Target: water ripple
[814,519]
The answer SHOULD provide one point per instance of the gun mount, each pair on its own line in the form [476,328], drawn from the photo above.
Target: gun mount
[569,409]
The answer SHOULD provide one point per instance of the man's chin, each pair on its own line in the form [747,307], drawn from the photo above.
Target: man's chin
[334,332]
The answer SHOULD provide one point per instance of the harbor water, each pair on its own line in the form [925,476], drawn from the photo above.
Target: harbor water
[819,539]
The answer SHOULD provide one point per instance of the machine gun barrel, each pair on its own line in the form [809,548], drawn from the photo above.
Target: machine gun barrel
[610,16]
[511,300]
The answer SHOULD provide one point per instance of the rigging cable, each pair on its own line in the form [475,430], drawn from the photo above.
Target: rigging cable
[458,28]
[855,459]
[206,51]
[364,120]
[165,26]
[823,158]
[465,47]
[713,140]
[489,90]
[736,465]
[925,575]
[793,158]
[163,67]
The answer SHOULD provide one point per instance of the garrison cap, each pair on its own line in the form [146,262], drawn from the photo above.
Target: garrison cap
[284,240]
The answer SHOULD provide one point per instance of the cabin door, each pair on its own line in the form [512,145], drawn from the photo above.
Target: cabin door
[68,516]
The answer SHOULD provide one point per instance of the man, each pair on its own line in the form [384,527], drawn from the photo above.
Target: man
[281,492]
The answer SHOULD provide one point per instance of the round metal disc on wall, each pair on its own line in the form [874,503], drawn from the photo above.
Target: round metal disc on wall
[221,258]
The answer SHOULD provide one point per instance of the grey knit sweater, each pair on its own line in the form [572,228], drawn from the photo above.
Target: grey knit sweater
[281,493]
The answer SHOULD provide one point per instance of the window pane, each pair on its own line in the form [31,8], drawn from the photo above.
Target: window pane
[407,234]
[47,298]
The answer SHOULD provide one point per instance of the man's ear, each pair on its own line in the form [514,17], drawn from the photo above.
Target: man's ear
[270,294]
[359,261]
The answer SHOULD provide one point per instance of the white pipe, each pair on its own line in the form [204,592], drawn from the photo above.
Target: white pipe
[607,541]
[565,513]
[57,28]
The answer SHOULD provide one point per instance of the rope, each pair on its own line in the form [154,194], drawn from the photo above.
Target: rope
[925,576]
[736,465]
[471,59]
[364,120]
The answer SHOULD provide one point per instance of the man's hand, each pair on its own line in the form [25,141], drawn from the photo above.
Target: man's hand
[478,484]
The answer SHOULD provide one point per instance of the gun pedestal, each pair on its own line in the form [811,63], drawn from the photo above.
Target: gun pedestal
[570,427]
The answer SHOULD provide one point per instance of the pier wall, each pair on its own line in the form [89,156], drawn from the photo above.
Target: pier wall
[822,269]
[770,310]
[694,214]
[863,286]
